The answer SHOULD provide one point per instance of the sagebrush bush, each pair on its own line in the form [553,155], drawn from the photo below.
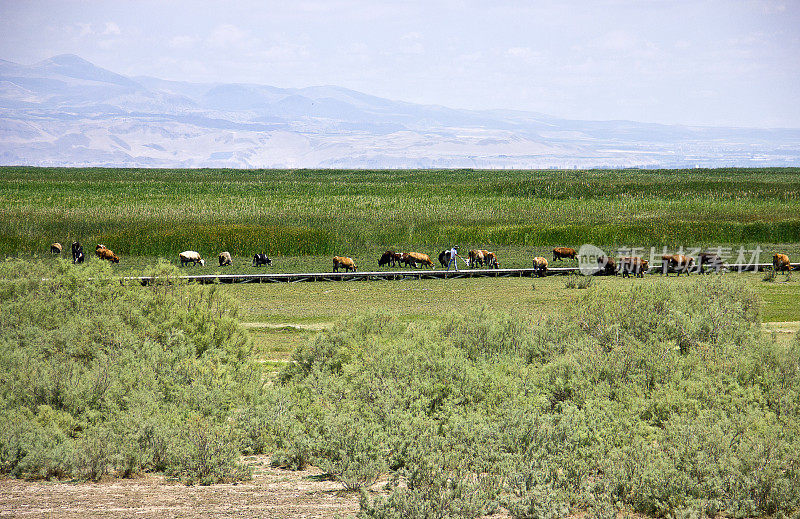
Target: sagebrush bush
[670,401]
[206,453]
[97,377]
[579,282]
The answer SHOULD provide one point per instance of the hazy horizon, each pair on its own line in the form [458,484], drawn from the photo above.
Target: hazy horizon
[711,63]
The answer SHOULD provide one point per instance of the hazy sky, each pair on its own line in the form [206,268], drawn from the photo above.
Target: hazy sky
[671,61]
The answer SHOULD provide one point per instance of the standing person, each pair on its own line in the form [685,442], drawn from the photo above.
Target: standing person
[453,257]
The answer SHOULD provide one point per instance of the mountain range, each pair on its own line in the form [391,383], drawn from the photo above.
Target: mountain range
[65,111]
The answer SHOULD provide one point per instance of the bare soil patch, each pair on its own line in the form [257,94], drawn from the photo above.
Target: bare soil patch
[272,493]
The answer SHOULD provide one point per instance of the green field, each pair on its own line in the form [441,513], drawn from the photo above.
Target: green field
[301,213]
[284,316]
[302,217]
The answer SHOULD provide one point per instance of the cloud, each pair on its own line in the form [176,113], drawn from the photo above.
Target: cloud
[111,29]
[88,29]
[771,6]
[84,29]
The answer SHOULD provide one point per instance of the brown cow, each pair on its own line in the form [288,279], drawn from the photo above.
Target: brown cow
[559,253]
[411,259]
[56,248]
[633,265]
[106,254]
[781,262]
[491,260]
[476,257]
[607,265]
[389,257]
[676,262]
[343,261]
[540,265]
[712,260]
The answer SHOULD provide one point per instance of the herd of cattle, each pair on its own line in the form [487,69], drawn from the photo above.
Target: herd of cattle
[637,266]
[625,265]
[102,252]
[185,257]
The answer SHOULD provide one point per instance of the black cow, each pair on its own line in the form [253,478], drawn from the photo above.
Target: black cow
[444,257]
[713,261]
[261,259]
[389,257]
[77,253]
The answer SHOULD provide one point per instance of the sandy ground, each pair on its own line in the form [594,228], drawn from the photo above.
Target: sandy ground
[784,331]
[272,493]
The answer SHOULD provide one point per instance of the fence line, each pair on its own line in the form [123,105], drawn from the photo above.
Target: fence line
[395,275]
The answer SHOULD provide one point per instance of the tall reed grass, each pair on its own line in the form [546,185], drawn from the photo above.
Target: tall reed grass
[298,212]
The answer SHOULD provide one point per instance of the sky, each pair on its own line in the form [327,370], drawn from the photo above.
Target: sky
[695,62]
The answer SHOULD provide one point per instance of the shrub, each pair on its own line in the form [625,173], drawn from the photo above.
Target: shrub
[352,450]
[666,400]
[205,453]
[579,282]
[97,376]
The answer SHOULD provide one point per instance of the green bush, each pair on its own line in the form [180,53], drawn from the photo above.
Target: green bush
[98,377]
[206,453]
[669,401]
[352,450]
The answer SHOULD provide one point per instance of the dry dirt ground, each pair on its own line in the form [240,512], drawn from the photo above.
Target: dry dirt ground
[272,493]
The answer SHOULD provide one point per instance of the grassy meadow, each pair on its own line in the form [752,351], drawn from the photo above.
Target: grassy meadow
[302,213]
[284,316]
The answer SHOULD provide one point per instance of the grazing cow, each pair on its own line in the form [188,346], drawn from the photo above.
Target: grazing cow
[389,257]
[56,248]
[559,253]
[104,253]
[476,257]
[225,259]
[444,258]
[676,262]
[607,265]
[261,259]
[193,257]
[491,260]
[77,253]
[411,259]
[540,265]
[781,262]
[343,261]
[712,260]
[633,265]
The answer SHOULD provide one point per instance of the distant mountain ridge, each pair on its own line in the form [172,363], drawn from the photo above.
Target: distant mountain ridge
[66,111]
